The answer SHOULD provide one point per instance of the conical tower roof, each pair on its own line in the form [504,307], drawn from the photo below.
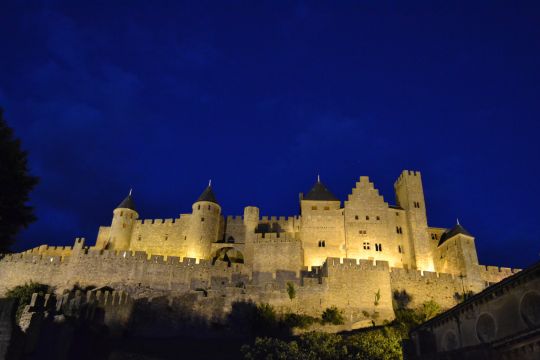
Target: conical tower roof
[319,192]
[208,195]
[448,234]
[127,203]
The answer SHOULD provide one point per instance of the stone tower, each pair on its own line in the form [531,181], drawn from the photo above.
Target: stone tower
[410,196]
[251,220]
[456,253]
[321,228]
[124,217]
[204,225]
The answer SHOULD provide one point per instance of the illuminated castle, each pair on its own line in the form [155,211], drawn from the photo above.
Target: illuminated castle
[334,254]
[365,227]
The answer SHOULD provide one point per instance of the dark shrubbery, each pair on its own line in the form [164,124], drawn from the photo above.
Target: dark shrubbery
[332,315]
[300,321]
[377,343]
[23,294]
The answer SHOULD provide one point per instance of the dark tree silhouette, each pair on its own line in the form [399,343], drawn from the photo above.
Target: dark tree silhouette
[15,186]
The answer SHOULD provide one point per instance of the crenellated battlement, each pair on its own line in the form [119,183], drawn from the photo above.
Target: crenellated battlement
[498,270]
[419,274]
[34,258]
[354,264]
[158,221]
[235,219]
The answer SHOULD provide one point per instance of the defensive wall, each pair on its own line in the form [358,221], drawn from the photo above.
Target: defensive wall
[362,288]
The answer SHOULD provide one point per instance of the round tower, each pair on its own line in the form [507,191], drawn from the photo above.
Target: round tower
[124,217]
[204,225]
[251,218]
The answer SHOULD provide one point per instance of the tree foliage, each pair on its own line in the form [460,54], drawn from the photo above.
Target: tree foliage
[378,344]
[15,186]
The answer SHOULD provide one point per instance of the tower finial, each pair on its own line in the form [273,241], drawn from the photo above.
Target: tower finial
[457,221]
[130,190]
[318,178]
[210,183]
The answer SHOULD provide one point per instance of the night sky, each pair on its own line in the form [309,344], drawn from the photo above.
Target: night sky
[261,97]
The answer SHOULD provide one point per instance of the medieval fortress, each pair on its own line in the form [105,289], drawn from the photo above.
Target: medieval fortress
[354,255]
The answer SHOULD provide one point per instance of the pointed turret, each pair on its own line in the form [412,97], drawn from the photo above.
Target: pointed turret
[208,195]
[319,192]
[124,217]
[204,224]
[456,230]
[127,203]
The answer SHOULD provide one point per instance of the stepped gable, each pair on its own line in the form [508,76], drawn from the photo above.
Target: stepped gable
[319,192]
[448,234]
[127,203]
[208,195]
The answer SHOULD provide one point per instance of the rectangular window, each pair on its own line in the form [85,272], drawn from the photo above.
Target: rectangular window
[366,246]
[313,208]
[378,247]
[378,218]
[202,219]
[367,217]
[356,217]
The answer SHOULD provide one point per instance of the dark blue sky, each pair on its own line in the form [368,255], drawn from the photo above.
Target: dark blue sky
[260,97]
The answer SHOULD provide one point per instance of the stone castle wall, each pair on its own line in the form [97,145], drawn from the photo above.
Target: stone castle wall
[349,284]
[423,286]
